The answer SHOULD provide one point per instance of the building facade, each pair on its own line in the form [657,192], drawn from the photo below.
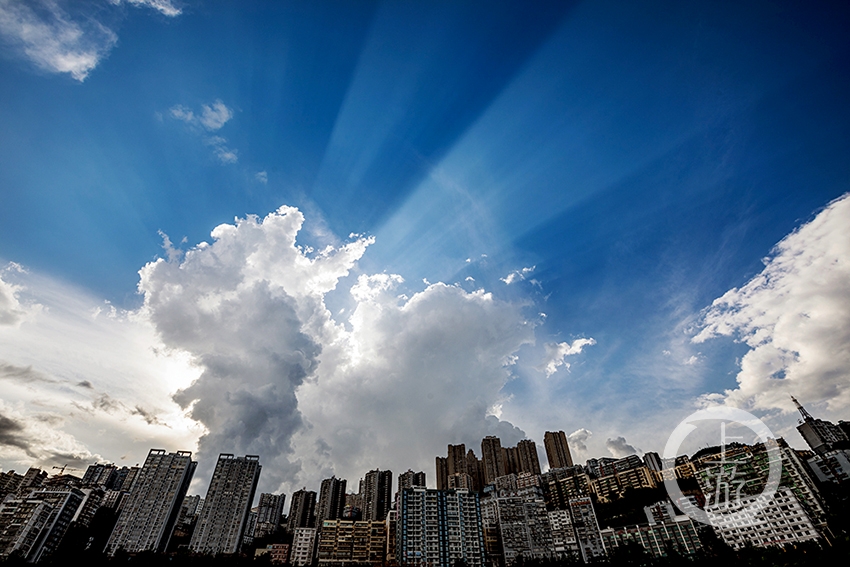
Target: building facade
[491,455]
[222,521]
[150,511]
[518,524]
[343,542]
[32,527]
[302,510]
[437,528]
[303,547]
[760,521]
[269,513]
[331,499]
[586,529]
[377,494]
[557,449]
[660,539]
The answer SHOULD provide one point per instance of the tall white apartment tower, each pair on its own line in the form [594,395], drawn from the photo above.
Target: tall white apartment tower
[226,507]
[439,528]
[148,517]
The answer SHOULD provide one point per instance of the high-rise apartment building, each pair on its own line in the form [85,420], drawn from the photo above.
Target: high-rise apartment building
[564,484]
[331,499]
[101,475]
[438,528]
[822,436]
[33,526]
[779,520]
[510,457]
[188,518]
[653,462]
[749,467]
[527,458]
[677,536]
[516,524]
[557,449]
[302,510]
[33,478]
[456,459]
[461,480]
[148,516]
[475,469]
[411,479]
[377,494]
[127,478]
[602,466]
[586,529]
[491,454]
[442,473]
[269,513]
[221,524]
[613,486]
[453,469]
[564,542]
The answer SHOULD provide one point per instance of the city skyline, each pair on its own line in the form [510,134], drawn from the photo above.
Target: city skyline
[343,236]
[521,512]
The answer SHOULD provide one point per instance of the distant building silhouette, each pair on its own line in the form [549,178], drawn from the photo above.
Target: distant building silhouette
[491,454]
[557,449]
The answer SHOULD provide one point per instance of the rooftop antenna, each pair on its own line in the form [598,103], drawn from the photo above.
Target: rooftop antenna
[806,415]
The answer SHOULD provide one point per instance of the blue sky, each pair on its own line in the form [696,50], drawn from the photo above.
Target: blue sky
[628,163]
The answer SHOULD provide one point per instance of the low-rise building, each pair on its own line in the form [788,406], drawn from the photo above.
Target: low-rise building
[303,546]
[278,553]
[678,535]
[343,542]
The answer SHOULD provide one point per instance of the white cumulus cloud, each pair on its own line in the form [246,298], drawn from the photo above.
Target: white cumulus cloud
[517,275]
[52,39]
[795,317]
[11,310]
[412,375]
[556,354]
[577,440]
[249,310]
[221,150]
[211,119]
[389,386]
[62,36]
[165,7]
[215,115]
[619,447]
[234,350]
